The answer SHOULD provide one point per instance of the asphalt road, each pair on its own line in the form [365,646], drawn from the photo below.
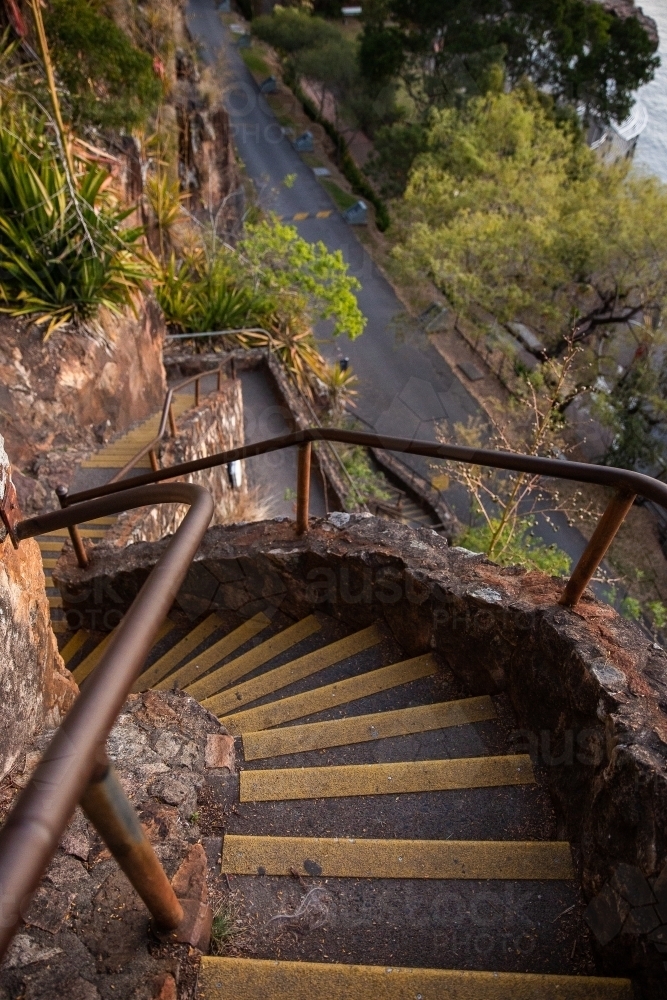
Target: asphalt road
[406,387]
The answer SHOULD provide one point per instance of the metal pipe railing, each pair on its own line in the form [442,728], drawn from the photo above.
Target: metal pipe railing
[167,418]
[69,772]
[627,484]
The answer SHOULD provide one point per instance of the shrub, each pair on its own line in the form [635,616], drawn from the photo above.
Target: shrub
[62,254]
[111,83]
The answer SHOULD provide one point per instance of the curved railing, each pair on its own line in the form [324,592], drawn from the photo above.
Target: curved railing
[628,485]
[74,768]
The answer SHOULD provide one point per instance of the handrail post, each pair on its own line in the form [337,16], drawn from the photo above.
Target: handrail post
[77,541]
[114,817]
[595,551]
[219,387]
[197,391]
[303,487]
[172,422]
[155,465]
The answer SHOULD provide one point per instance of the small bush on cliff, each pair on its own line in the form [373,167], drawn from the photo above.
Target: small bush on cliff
[111,83]
[63,254]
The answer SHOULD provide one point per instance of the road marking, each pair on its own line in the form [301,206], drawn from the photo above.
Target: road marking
[343,857]
[310,702]
[296,670]
[384,779]
[88,664]
[363,728]
[74,645]
[300,216]
[218,651]
[249,978]
[173,656]
[323,215]
[243,664]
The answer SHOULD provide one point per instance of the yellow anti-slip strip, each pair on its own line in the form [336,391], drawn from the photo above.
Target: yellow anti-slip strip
[84,532]
[173,656]
[364,728]
[49,563]
[140,435]
[74,645]
[319,699]
[254,658]
[296,670]
[445,859]
[48,546]
[384,779]
[218,651]
[250,978]
[90,662]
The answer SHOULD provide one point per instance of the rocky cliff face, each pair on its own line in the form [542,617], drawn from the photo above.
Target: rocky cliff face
[35,688]
[69,394]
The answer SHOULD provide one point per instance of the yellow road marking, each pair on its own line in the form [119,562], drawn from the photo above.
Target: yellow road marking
[88,664]
[300,216]
[49,563]
[243,664]
[218,651]
[74,645]
[46,546]
[249,978]
[173,656]
[296,670]
[384,779]
[363,728]
[340,693]
[323,215]
[344,857]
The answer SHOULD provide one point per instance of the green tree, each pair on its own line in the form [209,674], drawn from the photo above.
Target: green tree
[291,30]
[445,49]
[111,83]
[509,211]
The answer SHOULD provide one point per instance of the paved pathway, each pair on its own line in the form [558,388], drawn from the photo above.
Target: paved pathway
[406,387]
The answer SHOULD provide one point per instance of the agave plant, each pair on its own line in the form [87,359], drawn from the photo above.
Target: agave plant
[63,253]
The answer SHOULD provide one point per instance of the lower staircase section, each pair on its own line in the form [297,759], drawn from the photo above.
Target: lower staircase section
[383,839]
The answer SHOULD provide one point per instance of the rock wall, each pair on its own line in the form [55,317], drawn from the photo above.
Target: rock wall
[80,387]
[35,687]
[589,688]
[216,425]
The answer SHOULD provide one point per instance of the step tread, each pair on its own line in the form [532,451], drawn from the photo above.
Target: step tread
[338,781]
[88,664]
[364,728]
[265,651]
[299,706]
[73,646]
[84,532]
[343,857]
[178,652]
[295,670]
[140,435]
[186,674]
[250,978]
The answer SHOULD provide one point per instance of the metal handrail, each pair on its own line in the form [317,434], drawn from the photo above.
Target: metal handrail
[168,417]
[73,768]
[627,484]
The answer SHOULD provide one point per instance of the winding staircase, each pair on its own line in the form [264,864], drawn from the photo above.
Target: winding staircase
[384,811]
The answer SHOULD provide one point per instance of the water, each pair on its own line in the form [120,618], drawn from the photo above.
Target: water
[651,152]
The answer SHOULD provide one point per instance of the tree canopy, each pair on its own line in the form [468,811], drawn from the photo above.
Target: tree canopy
[446,49]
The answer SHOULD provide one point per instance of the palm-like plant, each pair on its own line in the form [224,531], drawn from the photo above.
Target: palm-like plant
[63,253]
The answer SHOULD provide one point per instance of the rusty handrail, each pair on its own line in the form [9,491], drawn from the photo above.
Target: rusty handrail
[627,484]
[66,773]
[167,417]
